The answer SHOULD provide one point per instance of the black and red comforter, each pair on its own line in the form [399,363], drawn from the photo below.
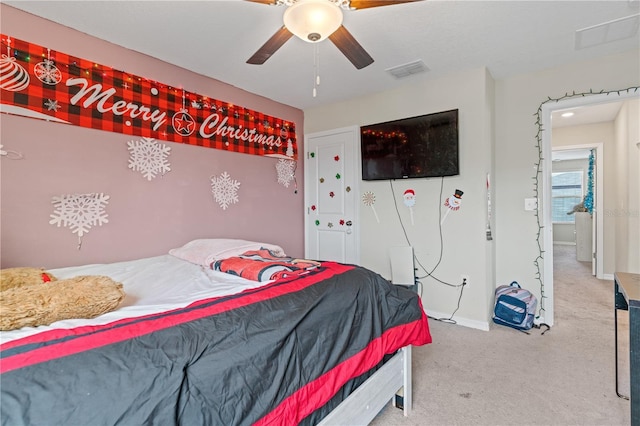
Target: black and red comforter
[273,355]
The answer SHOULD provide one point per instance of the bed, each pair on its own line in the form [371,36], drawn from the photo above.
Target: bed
[329,344]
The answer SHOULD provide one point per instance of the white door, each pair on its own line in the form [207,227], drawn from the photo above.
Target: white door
[332,174]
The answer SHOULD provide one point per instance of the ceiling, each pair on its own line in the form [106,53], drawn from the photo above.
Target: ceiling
[590,114]
[215,38]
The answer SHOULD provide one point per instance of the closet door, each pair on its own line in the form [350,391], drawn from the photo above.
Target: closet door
[332,174]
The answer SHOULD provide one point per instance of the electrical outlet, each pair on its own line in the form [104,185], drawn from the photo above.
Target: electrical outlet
[464,279]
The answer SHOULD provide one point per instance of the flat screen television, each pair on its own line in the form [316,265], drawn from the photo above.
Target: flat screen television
[416,147]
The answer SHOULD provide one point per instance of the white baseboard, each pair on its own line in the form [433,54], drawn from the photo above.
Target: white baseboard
[480,325]
[564,243]
[608,277]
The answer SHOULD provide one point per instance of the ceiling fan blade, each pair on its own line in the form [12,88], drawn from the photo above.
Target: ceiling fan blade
[350,48]
[270,47]
[364,4]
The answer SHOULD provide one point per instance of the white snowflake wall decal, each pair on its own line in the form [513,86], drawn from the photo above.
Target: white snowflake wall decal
[225,190]
[148,157]
[286,171]
[80,212]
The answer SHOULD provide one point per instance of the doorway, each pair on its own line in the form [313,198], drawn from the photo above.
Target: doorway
[546,232]
[595,237]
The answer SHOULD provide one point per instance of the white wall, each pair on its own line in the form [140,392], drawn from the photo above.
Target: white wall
[517,101]
[510,106]
[463,231]
[626,210]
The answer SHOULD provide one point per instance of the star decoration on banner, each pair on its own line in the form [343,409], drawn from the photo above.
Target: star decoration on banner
[52,105]
[183,123]
[225,190]
[148,157]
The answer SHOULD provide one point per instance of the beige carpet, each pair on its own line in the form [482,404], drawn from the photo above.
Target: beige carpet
[505,377]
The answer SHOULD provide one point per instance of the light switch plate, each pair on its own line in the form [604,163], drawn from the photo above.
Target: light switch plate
[530,204]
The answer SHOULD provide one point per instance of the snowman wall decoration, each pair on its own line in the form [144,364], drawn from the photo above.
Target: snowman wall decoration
[453,203]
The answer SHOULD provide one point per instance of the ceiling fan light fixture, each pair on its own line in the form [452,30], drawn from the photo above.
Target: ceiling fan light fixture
[313,20]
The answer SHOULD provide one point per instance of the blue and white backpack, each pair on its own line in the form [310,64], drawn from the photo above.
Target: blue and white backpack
[514,307]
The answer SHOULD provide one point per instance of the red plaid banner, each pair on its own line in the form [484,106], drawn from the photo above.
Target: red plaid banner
[41,83]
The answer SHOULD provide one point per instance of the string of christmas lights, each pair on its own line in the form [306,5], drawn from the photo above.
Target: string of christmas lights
[536,179]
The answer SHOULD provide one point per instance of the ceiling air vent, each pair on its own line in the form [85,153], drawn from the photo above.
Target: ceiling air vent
[618,29]
[406,70]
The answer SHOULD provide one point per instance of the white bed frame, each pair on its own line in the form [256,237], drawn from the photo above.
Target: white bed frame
[368,399]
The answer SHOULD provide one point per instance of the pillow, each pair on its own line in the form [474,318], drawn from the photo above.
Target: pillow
[17,277]
[80,297]
[206,251]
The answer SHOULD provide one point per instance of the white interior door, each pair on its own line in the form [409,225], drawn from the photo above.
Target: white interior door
[332,174]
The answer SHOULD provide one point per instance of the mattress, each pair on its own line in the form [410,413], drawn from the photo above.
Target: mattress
[194,346]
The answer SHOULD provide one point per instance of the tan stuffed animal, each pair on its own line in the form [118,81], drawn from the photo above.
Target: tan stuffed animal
[17,277]
[79,297]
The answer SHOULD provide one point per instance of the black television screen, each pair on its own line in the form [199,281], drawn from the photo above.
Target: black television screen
[416,147]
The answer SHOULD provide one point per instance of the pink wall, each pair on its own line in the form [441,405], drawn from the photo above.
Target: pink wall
[146,218]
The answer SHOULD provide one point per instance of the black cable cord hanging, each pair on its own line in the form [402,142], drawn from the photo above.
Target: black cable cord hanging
[429,274]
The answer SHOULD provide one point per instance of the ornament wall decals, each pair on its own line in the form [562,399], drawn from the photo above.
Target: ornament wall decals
[47,72]
[182,122]
[148,157]
[79,212]
[13,76]
[369,199]
[225,190]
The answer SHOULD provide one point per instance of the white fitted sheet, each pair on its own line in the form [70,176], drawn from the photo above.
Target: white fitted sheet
[153,284]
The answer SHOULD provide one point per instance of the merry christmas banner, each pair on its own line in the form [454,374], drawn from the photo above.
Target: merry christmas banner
[42,83]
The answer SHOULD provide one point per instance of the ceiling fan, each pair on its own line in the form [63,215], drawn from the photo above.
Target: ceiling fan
[316,20]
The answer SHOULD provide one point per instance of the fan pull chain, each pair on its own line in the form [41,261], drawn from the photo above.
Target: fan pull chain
[316,68]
